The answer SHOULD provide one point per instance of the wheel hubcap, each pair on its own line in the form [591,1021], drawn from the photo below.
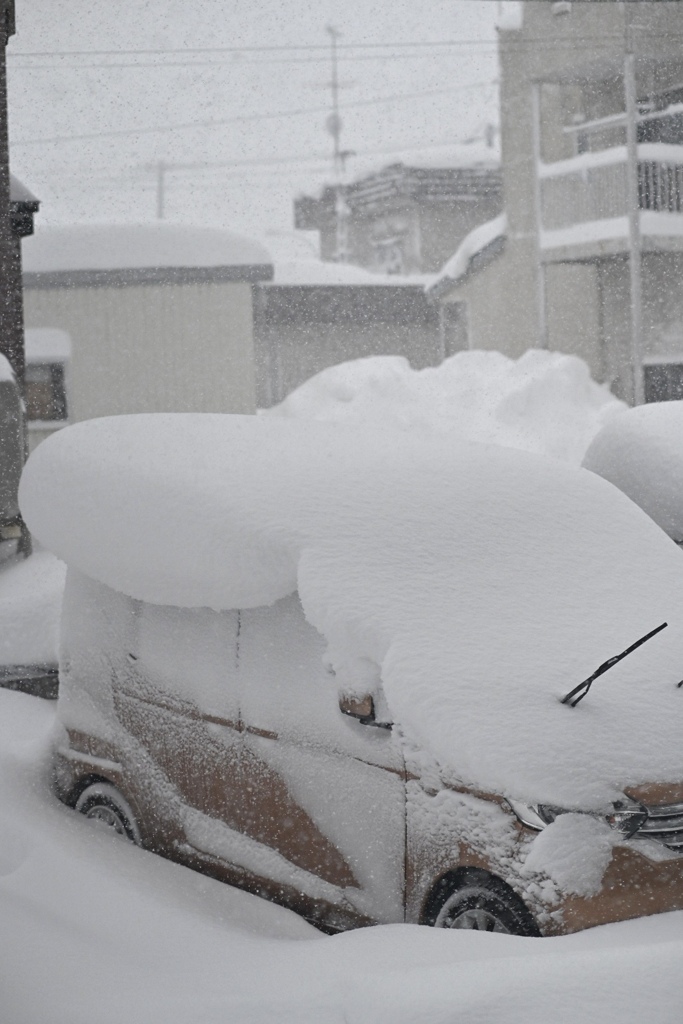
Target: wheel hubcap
[476,920]
[107,816]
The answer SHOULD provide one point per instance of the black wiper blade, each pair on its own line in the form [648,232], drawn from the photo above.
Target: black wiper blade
[580,691]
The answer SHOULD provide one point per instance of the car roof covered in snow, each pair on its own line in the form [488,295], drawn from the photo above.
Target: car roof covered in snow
[640,451]
[483,582]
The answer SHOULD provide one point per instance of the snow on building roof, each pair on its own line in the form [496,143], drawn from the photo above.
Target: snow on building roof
[488,236]
[641,453]
[6,372]
[484,583]
[87,248]
[318,272]
[18,193]
[47,345]
[465,155]
[543,402]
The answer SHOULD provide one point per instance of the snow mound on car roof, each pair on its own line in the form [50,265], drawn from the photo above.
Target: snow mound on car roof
[641,453]
[543,402]
[485,582]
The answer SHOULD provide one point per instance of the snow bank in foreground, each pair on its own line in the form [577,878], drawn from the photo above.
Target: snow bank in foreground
[82,911]
[483,582]
[30,606]
[543,402]
[641,453]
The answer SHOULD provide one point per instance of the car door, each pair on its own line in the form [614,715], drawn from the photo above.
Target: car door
[327,793]
[179,701]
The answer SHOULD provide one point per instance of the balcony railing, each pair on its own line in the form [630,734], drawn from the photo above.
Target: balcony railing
[592,188]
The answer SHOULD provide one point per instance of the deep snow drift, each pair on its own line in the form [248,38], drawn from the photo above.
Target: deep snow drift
[30,605]
[543,402]
[641,453]
[97,931]
[484,583]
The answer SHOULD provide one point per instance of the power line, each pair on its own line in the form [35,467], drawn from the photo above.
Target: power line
[232,64]
[583,41]
[248,118]
[287,48]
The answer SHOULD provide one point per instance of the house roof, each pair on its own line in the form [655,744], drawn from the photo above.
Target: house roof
[18,193]
[474,252]
[320,273]
[47,345]
[92,254]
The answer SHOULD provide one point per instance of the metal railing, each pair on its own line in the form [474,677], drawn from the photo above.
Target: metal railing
[593,187]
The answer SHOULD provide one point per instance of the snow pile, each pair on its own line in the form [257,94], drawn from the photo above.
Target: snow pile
[641,453]
[135,246]
[484,583]
[543,402]
[30,605]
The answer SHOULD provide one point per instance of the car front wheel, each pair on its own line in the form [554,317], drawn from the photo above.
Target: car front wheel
[102,804]
[475,901]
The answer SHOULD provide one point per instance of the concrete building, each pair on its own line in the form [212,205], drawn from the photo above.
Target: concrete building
[315,315]
[158,316]
[407,217]
[593,195]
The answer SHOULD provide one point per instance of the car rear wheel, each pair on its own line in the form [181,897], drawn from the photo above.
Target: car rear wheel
[472,900]
[102,804]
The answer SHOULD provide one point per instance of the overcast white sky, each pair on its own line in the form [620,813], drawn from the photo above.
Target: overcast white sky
[268,154]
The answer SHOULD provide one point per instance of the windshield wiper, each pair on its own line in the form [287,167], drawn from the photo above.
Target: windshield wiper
[580,691]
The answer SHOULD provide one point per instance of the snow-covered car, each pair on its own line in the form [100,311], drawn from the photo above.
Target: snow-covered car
[372,676]
[640,451]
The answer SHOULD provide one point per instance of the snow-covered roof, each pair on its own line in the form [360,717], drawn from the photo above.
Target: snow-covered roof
[47,345]
[138,247]
[543,402]
[484,583]
[641,452]
[318,272]
[6,372]
[18,193]
[460,264]
[465,155]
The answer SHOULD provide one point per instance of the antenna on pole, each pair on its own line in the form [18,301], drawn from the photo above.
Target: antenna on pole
[334,126]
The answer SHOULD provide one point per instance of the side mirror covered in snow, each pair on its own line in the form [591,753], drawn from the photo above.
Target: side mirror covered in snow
[362,709]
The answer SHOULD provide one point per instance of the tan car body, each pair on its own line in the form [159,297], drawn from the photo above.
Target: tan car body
[225,735]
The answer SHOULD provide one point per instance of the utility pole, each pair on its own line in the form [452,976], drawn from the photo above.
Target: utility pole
[161,188]
[633,207]
[334,127]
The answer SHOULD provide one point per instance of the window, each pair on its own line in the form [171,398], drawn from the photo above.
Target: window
[663,381]
[45,392]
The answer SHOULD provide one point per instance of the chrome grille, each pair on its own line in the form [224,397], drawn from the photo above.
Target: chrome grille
[664,825]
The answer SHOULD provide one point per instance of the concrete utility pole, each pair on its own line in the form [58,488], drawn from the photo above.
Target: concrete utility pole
[334,127]
[538,214]
[161,188]
[633,206]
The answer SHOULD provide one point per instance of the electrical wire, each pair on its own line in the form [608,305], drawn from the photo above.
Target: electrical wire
[248,118]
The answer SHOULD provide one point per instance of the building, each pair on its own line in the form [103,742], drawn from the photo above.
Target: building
[314,315]
[592,168]
[158,319]
[406,218]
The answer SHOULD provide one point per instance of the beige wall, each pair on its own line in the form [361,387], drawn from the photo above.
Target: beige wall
[153,348]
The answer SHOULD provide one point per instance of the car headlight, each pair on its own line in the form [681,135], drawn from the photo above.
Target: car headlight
[626,817]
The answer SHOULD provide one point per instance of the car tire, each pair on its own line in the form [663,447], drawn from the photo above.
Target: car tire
[476,901]
[102,803]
